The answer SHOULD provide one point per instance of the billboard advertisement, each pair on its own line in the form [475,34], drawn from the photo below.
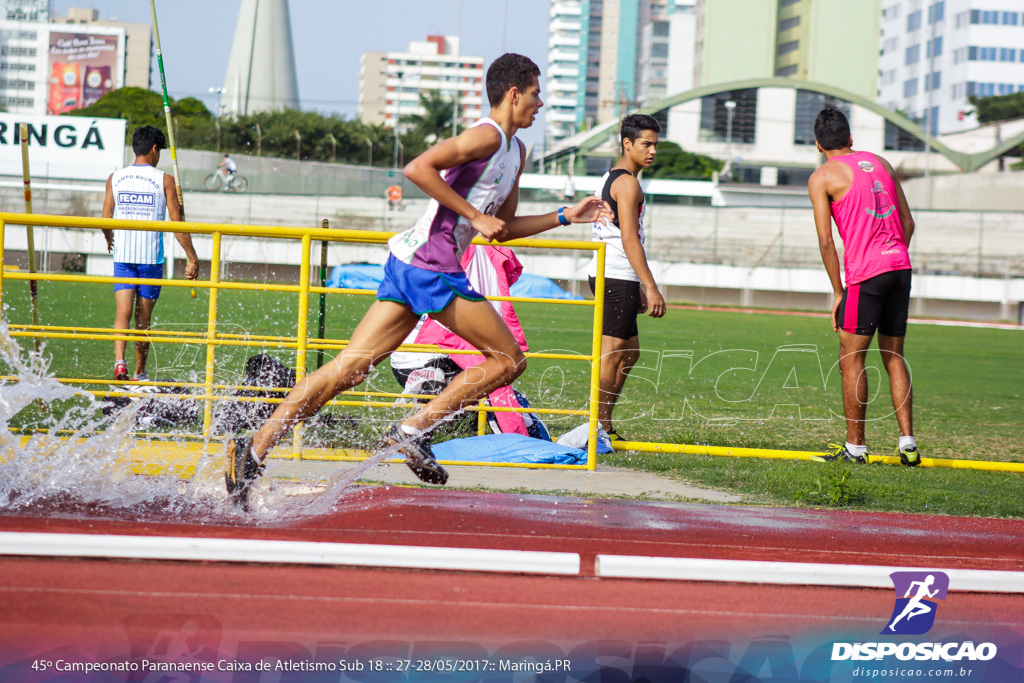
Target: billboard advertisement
[83,67]
[74,147]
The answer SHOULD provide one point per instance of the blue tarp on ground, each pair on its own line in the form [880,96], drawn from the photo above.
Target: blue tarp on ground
[539,287]
[356,276]
[508,448]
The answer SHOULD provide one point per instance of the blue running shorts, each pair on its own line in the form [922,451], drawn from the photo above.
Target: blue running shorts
[154,271]
[424,291]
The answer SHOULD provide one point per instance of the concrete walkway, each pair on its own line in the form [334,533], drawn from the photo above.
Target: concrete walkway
[605,482]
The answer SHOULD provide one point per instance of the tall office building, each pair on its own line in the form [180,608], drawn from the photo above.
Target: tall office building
[25,10]
[52,68]
[565,74]
[652,74]
[825,41]
[600,53]
[937,54]
[138,43]
[390,83]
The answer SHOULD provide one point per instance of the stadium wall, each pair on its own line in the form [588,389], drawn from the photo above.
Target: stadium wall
[970,264]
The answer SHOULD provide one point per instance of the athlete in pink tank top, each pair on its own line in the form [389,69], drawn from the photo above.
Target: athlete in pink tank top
[860,191]
[868,220]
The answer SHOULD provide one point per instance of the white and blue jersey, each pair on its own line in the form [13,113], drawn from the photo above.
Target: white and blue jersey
[138,196]
[440,237]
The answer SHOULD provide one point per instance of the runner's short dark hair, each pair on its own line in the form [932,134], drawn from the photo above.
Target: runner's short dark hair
[145,137]
[832,129]
[634,124]
[509,71]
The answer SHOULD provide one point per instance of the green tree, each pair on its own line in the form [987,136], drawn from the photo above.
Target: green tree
[436,121]
[196,128]
[672,161]
[998,107]
[138,106]
[141,107]
[1001,108]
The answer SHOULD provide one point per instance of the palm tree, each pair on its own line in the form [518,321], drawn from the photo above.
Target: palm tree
[436,120]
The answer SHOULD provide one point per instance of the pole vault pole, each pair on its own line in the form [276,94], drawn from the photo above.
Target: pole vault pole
[167,115]
[33,286]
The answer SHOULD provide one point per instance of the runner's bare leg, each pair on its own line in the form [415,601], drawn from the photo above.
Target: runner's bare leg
[853,348]
[478,323]
[899,382]
[380,332]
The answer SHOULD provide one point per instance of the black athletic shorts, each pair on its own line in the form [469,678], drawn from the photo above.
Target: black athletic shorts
[621,307]
[881,302]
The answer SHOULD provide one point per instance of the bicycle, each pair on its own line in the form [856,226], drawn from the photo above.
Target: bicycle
[219,180]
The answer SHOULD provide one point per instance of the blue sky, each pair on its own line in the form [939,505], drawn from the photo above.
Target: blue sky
[330,37]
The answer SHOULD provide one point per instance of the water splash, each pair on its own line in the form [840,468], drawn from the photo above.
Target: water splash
[82,466]
[79,460]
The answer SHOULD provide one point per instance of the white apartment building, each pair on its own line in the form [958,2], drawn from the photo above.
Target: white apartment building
[935,54]
[652,72]
[25,10]
[53,68]
[605,57]
[138,63]
[390,83]
[566,73]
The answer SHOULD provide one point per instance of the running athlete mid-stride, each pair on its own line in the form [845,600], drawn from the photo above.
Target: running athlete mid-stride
[473,182]
[916,605]
[625,266]
[860,191]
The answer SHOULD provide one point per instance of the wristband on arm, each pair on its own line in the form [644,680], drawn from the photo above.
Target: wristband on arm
[562,220]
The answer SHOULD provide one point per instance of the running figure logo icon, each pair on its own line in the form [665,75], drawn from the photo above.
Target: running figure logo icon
[916,592]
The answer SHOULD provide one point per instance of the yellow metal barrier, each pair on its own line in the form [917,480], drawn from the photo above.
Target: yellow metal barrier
[212,338]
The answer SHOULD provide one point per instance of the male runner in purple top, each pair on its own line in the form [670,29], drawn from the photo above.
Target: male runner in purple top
[473,182]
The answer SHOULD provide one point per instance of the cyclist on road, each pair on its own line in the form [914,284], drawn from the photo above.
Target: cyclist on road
[229,167]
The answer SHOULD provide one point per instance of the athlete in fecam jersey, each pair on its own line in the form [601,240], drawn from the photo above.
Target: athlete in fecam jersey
[616,263]
[440,236]
[138,193]
[868,221]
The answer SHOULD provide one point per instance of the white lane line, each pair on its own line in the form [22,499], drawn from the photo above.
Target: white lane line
[795,573]
[287,552]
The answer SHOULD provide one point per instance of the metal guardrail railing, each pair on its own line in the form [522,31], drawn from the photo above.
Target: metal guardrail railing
[213,338]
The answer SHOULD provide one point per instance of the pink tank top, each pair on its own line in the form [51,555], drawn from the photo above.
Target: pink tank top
[869,221]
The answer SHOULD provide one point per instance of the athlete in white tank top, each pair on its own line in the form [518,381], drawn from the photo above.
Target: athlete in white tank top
[138,193]
[141,192]
[441,236]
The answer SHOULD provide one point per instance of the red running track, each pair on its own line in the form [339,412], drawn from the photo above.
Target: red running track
[100,608]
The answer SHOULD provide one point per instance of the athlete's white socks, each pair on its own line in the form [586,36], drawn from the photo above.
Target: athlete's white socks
[907,442]
[856,450]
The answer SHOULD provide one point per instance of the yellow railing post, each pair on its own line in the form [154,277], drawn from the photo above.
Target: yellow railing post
[481,418]
[3,250]
[303,331]
[211,336]
[595,366]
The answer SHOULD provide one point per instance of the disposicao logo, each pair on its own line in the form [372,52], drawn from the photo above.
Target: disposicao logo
[914,614]
[916,595]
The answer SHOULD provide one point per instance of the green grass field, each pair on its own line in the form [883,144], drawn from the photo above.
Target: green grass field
[705,377]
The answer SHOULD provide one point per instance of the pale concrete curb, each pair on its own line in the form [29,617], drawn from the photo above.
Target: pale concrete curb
[606,481]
